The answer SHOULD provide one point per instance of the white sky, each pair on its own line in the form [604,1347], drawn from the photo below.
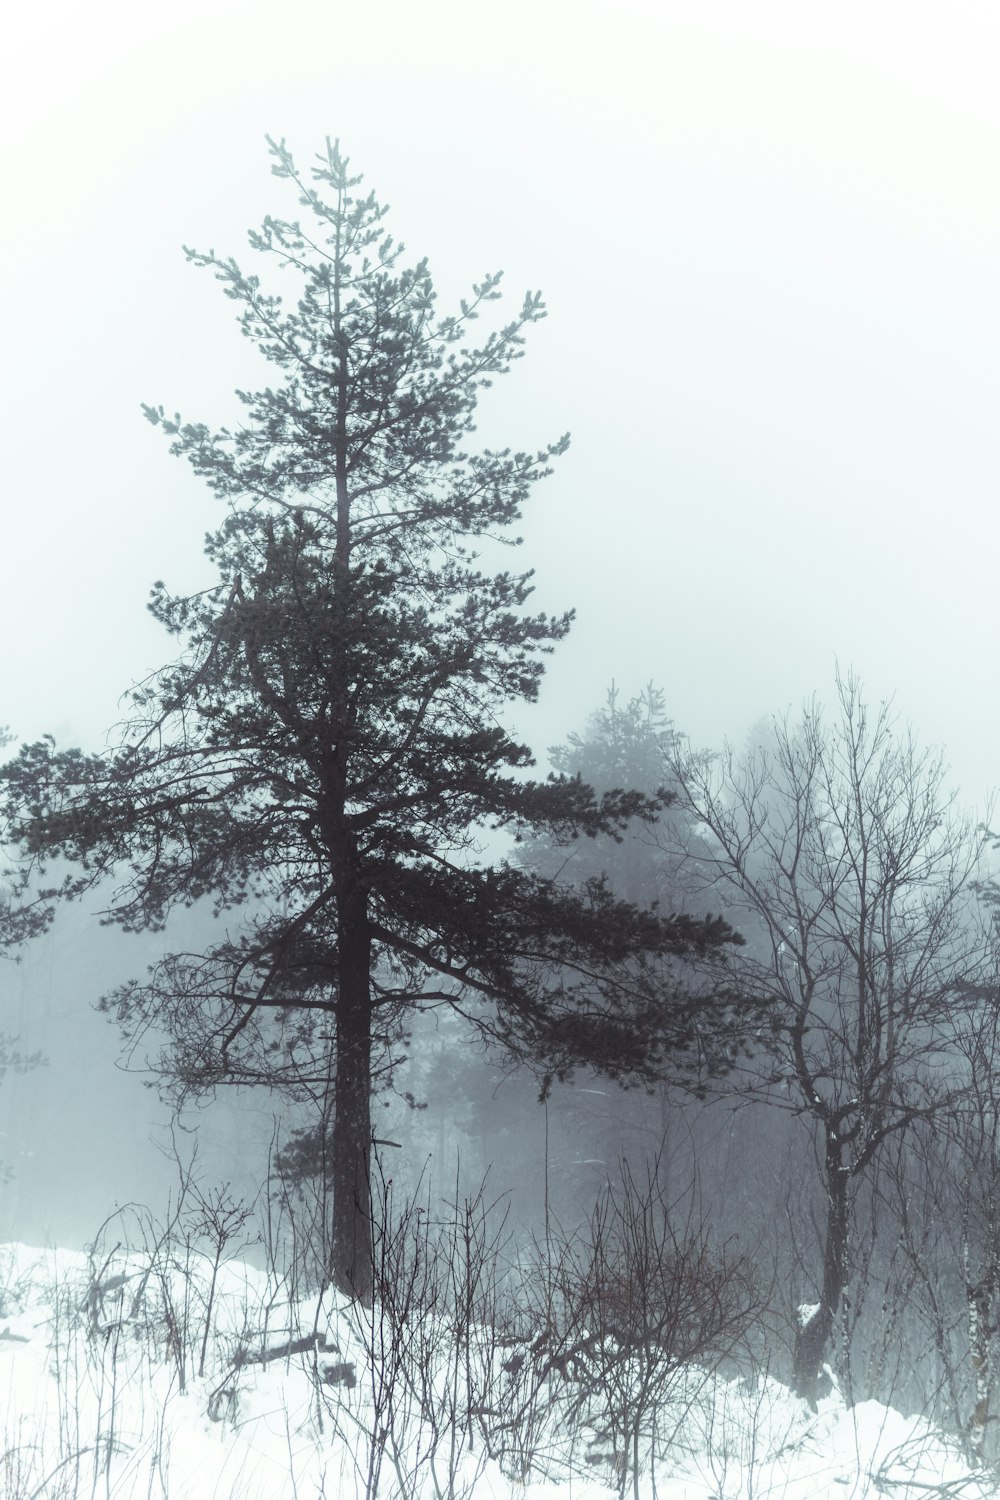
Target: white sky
[769,239]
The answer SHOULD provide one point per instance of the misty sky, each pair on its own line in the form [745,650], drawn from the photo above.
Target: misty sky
[768,236]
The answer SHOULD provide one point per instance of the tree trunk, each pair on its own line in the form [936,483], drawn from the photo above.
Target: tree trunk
[351,1265]
[812,1334]
[351,1248]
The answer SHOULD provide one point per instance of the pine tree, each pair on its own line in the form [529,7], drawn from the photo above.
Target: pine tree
[626,742]
[623,744]
[325,761]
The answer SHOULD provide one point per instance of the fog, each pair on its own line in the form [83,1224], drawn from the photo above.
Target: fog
[767,236]
[767,240]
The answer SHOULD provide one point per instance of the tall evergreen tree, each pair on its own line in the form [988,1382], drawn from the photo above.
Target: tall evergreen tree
[325,756]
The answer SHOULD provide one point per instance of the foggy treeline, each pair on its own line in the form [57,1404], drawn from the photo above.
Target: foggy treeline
[848,1147]
[895,888]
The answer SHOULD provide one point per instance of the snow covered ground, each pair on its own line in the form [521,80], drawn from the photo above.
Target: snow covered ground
[168,1377]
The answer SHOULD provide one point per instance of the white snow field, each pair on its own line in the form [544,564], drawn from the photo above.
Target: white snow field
[168,1377]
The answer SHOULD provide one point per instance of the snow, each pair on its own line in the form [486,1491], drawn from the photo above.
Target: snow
[94,1353]
[806,1312]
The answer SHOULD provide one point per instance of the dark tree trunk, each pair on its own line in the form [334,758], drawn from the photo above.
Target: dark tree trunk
[351,1253]
[812,1336]
[351,1266]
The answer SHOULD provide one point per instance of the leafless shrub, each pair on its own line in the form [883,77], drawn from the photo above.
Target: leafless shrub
[651,1305]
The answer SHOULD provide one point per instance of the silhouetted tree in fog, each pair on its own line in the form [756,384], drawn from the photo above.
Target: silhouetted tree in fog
[838,850]
[626,742]
[326,751]
[623,745]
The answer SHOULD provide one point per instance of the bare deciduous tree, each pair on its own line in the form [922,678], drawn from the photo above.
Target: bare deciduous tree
[840,854]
